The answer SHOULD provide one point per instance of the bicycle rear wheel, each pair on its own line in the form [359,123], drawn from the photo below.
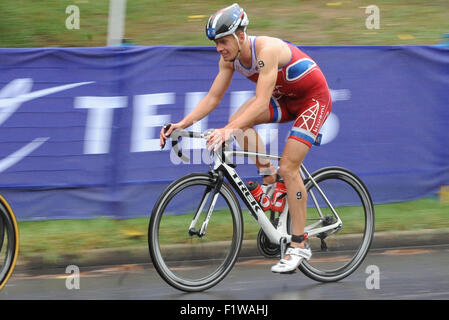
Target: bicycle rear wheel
[184,259]
[338,252]
[9,241]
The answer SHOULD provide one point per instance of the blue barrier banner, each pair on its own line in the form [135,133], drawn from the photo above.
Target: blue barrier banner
[79,127]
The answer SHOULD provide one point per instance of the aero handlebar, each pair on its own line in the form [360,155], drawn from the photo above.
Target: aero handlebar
[178,133]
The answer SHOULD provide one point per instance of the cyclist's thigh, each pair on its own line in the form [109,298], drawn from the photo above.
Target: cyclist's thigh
[275,112]
[311,115]
[293,155]
[279,110]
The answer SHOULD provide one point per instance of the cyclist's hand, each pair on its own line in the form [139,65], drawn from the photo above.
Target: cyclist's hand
[216,138]
[165,133]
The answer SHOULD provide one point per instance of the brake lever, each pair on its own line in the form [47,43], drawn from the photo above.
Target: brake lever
[165,127]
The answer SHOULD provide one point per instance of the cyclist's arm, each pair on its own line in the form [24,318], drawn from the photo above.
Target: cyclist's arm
[208,103]
[213,97]
[268,68]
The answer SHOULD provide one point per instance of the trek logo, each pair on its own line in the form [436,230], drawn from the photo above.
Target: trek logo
[241,185]
[12,96]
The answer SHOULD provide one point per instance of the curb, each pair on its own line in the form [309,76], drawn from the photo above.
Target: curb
[140,255]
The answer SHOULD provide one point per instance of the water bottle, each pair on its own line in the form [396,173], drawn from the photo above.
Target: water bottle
[259,195]
[279,197]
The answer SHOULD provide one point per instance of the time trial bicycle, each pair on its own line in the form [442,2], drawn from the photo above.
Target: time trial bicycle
[205,207]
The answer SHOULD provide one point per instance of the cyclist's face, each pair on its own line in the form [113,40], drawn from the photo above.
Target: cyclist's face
[227,47]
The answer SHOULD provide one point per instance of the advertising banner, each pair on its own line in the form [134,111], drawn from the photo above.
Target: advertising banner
[79,127]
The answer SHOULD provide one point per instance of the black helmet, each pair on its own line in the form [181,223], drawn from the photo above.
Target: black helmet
[226,21]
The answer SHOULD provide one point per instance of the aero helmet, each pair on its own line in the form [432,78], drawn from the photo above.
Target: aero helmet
[226,21]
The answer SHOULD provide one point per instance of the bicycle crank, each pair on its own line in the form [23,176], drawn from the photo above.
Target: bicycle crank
[265,247]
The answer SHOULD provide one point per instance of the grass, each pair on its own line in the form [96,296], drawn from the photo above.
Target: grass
[27,23]
[54,238]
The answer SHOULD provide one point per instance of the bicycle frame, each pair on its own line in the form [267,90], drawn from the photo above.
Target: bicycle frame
[277,235]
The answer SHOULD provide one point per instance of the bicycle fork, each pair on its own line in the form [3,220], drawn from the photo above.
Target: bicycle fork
[218,176]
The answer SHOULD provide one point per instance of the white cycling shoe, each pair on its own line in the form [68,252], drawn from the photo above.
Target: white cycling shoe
[292,260]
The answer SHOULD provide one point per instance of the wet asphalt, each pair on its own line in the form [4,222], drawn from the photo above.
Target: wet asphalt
[404,273]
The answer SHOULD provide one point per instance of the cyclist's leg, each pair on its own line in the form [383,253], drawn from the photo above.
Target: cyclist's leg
[292,156]
[312,114]
[307,125]
[249,140]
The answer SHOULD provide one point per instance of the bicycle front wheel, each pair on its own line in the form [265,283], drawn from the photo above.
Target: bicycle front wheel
[340,251]
[9,241]
[185,259]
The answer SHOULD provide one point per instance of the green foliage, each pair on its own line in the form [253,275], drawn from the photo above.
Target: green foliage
[60,237]
[27,23]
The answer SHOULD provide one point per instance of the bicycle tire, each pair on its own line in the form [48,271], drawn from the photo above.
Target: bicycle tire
[9,248]
[171,271]
[2,234]
[351,257]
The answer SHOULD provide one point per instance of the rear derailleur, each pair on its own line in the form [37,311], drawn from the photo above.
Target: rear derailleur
[327,221]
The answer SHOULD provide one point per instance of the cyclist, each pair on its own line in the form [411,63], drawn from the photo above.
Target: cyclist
[290,87]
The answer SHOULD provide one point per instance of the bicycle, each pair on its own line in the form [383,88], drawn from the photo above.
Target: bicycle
[195,264]
[9,241]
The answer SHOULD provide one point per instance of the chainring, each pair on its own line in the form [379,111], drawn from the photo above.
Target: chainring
[265,247]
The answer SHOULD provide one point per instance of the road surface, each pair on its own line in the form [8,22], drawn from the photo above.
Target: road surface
[403,273]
